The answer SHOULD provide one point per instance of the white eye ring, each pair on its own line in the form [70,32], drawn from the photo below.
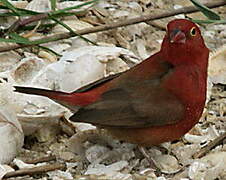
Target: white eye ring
[193,31]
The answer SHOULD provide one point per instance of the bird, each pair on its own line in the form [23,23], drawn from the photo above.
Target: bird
[156,101]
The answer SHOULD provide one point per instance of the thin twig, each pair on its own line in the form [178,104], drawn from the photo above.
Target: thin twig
[145,18]
[41,16]
[35,170]
[41,159]
[210,146]
[26,21]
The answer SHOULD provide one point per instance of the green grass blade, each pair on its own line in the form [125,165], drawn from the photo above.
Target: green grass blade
[3,7]
[40,28]
[10,6]
[22,12]
[206,11]
[208,21]
[8,14]
[8,40]
[73,7]
[25,12]
[50,50]
[72,31]
[19,39]
[53,5]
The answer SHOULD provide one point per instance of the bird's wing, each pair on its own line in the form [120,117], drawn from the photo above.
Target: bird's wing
[134,103]
[98,82]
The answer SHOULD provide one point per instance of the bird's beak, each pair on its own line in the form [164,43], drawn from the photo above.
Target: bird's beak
[177,36]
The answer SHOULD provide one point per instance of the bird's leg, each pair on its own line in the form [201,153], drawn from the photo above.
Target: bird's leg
[151,161]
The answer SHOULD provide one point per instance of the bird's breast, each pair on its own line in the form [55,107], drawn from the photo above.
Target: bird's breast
[188,84]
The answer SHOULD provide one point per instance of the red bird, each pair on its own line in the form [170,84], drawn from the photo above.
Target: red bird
[156,101]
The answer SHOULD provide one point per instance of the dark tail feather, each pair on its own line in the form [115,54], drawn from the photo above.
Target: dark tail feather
[37,91]
[59,97]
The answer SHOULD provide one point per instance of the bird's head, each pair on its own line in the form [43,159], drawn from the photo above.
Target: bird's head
[183,41]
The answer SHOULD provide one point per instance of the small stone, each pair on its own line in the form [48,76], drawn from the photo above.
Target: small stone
[167,163]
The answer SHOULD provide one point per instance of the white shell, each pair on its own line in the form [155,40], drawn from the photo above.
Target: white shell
[95,152]
[75,69]
[11,133]
[167,163]
[5,169]
[66,4]
[209,167]
[26,69]
[39,5]
[81,66]
[58,175]
[75,25]
[8,60]
[37,112]
[101,169]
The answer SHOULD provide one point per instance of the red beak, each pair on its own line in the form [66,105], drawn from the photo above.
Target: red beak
[177,36]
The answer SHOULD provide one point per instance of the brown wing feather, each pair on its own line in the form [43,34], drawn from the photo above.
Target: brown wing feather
[125,105]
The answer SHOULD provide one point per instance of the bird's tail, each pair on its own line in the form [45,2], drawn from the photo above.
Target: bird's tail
[57,96]
[38,91]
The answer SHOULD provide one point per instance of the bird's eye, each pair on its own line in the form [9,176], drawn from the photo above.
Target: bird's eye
[193,31]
